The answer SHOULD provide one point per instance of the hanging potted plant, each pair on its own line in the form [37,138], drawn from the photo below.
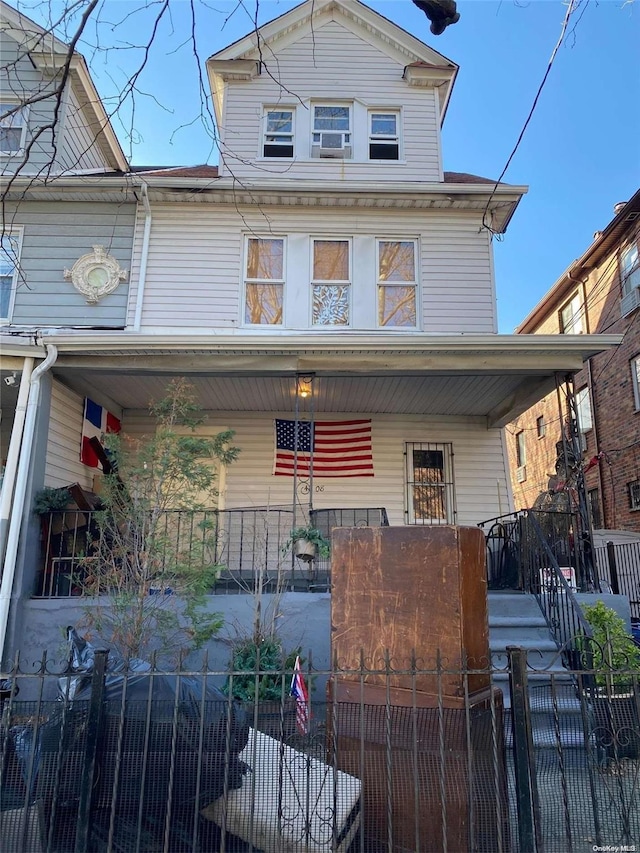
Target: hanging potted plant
[307,543]
[616,665]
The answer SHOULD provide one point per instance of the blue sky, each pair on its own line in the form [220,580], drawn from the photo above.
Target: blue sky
[580,155]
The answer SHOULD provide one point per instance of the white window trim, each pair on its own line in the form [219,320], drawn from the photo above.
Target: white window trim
[18,232]
[398,137]
[25,123]
[584,394]
[577,313]
[312,130]
[271,108]
[416,283]
[626,276]
[634,366]
[246,280]
[313,282]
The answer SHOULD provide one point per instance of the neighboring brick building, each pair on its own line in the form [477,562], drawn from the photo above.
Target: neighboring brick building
[600,292]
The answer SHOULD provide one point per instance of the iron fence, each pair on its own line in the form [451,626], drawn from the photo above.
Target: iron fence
[619,567]
[397,756]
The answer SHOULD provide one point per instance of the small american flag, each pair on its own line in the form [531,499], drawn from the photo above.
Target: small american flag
[337,448]
[301,695]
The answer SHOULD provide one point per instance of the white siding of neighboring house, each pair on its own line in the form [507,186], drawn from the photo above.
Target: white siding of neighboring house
[479,470]
[79,149]
[63,466]
[195,265]
[331,64]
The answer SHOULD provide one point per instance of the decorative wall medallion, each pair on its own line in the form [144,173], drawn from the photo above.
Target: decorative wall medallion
[96,274]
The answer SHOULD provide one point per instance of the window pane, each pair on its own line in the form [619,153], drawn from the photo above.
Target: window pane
[396,261]
[383,124]
[571,317]
[331,118]
[583,407]
[428,485]
[6,282]
[331,260]
[331,305]
[397,306]
[629,259]
[264,259]
[264,304]
[280,122]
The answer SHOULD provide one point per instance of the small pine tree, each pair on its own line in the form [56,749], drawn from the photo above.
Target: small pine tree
[152,560]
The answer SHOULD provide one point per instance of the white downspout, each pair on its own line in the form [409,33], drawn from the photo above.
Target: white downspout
[13,452]
[13,538]
[144,256]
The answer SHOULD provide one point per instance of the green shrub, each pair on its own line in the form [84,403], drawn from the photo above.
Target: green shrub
[615,655]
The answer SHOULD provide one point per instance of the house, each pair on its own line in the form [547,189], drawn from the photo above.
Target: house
[328,271]
[599,292]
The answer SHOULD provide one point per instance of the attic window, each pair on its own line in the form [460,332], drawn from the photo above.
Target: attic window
[13,127]
[383,136]
[278,137]
[331,136]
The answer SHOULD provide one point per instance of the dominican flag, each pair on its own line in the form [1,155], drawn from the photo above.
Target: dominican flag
[301,695]
[336,448]
[96,423]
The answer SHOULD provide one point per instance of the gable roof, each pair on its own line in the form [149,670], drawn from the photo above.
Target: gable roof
[49,54]
[245,56]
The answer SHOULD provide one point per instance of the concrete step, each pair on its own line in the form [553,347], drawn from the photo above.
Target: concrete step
[515,619]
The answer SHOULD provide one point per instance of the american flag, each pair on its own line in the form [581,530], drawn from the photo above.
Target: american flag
[301,695]
[338,448]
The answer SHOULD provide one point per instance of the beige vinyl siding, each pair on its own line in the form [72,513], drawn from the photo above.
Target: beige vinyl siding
[79,149]
[331,64]
[55,235]
[479,469]
[194,270]
[63,466]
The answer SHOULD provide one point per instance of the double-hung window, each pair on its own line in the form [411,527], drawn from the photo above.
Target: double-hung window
[630,269]
[583,409]
[571,316]
[278,133]
[331,132]
[331,282]
[397,282]
[9,270]
[264,281]
[13,127]
[634,495]
[384,141]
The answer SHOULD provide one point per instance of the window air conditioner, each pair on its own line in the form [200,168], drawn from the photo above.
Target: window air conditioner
[630,301]
[521,474]
[331,146]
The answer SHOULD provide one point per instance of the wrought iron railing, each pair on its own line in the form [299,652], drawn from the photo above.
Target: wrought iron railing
[618,565]
[248,544]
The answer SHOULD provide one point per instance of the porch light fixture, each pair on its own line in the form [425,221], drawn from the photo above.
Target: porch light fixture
[304,386]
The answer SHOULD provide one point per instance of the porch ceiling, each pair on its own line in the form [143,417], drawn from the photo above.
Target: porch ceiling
[488,376]
[495,397]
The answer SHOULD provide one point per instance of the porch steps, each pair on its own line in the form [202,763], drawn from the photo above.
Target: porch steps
[515,619]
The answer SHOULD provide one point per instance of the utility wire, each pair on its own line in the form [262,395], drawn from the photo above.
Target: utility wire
[573,5]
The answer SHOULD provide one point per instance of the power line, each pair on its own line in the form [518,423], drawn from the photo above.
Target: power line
[573,5]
